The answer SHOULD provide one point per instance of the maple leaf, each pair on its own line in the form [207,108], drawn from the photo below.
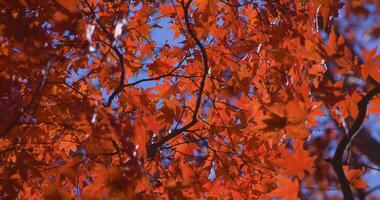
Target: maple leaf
[371,66]
[375,106]
[166,9]
[297,162]
[353,175]
[82,114]
[53,191]
[67,145]
[318,69]
[70,5]
[176,29]
[286,188]
[275,122]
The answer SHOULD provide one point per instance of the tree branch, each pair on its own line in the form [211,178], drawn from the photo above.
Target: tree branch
[158,77]
[347,140]
[118,53]
[153,148]
[35,97]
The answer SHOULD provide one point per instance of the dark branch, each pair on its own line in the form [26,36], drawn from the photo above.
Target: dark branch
[153,148]
[159,77]
[347,140]
[35,97]
[118,53]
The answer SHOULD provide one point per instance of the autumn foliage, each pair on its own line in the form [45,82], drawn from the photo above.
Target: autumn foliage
[244,99]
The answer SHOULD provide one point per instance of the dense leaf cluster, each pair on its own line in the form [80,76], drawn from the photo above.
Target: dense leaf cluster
[246,99]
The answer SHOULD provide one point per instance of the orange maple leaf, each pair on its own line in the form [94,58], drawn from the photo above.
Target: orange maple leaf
[353,175]
[287,189]
[297,162]
[372,65]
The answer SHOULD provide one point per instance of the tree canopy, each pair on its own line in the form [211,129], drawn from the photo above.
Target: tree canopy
[189,99]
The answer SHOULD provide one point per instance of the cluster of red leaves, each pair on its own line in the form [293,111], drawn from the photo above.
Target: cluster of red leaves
[93,106]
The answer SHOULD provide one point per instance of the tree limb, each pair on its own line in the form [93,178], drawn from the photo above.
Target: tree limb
[118,53]
[347,140]
[35,97]
[154,147]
